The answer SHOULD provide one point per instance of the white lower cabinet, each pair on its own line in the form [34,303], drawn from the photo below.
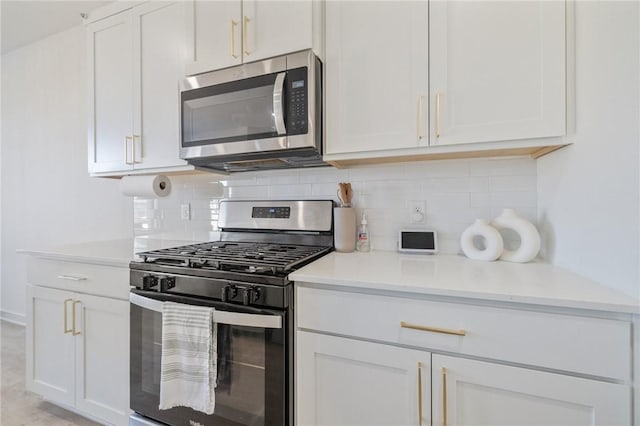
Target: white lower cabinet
[346,382]
[470,392]
[371,359]
[78,352]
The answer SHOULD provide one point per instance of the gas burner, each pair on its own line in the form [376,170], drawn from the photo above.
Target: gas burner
[254,256]
[245,256]
[261,270]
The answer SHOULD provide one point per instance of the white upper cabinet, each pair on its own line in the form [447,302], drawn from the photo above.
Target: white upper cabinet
[216,28]
[110,50]
[276,27]
[497,70]
[441,79]
[376,75]
[227,33]
[160,54]
[136,60]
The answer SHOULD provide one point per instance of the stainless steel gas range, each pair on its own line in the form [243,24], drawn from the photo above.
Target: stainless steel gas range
[244,274]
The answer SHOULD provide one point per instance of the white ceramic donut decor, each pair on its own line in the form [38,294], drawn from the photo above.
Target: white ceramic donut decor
[529,236]
[492,241]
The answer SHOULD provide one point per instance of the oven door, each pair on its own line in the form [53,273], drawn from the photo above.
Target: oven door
[254,371]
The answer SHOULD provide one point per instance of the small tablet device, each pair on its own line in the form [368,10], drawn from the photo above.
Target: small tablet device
[417,241]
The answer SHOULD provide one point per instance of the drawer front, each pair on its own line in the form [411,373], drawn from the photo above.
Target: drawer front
[594,346]
[86,278]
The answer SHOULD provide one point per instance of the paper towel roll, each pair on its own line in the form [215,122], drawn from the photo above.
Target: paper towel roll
[148,186]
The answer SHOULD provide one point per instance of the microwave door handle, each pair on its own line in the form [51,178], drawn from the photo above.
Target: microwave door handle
[278,103]
[219,316]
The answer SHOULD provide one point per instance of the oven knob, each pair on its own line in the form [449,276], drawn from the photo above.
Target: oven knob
[149,281]
[166,283]
[250,295]
[228,292]
[246,296]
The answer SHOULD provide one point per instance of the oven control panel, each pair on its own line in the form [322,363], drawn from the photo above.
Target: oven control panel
[271,212]
[218,290]
[297,110]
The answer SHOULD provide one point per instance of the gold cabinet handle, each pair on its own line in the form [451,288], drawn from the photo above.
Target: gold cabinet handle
[66,330]
[437,115]
[133,144]
[419,393]
[432,329]
[245,42]
[126,149]
[72,278]
[233,39]
[420,120]
[444,396]
[73,318]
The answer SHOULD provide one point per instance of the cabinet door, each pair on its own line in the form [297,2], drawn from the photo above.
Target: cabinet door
[102,357]
[111,94]
[344,382]
[50,344]
[160,54]
[481,393]
[275,27]
[376,75]
[497,70]
[216,29]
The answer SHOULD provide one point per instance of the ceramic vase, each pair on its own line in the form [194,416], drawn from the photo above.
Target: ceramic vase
[493,243]
[529,236]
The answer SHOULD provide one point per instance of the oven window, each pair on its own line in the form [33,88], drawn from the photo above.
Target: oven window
[229,112]
[251,374]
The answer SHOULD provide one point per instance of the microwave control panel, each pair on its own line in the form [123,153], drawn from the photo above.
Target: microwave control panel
[297,105]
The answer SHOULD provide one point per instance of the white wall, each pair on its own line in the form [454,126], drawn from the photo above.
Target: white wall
[589,193]
[48,197]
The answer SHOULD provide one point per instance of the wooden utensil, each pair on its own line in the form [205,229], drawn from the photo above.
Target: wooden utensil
[345,193]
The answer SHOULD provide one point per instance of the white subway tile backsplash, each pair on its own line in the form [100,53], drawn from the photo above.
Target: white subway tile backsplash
[455,193]
[503,166]
[324,190]
[514,199]
[448,200]
[324,175]
[513,183]
[278,179]
[247,192]
[478,184]
[301,190]
[445,168]
[362,173]
[456,184]
[479,199]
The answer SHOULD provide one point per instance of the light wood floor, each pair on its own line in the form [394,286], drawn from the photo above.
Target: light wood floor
[19,407]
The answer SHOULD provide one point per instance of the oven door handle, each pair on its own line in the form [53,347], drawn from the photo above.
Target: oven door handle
[278,104]
[222,317]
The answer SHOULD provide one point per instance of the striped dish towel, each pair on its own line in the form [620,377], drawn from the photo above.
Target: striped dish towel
[189,354]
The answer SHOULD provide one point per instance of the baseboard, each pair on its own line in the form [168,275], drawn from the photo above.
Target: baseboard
[12,317]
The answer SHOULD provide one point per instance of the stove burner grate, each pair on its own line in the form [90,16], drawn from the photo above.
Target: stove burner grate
[247,256]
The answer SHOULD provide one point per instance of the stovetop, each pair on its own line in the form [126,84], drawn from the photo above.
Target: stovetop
[261,242]
[245,257]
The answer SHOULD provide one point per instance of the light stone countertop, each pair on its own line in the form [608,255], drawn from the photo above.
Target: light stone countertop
[116,253]
[456,276]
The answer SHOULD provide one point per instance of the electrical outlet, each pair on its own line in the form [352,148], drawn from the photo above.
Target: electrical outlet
[417,212]
[185,211]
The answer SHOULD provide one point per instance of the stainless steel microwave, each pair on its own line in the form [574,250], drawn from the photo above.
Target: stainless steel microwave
[261,115]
